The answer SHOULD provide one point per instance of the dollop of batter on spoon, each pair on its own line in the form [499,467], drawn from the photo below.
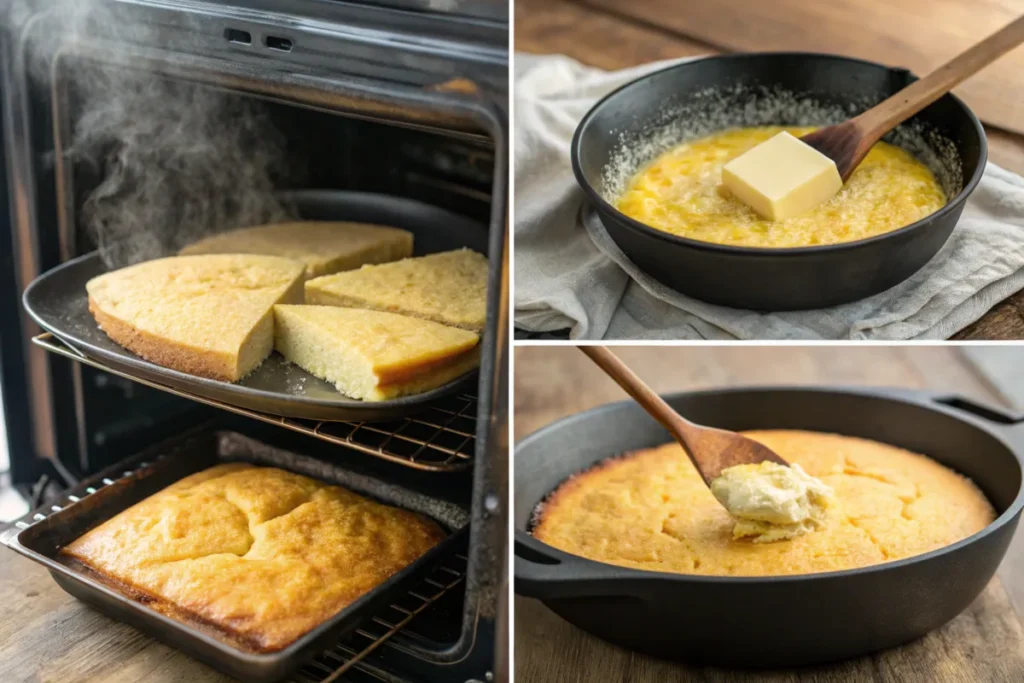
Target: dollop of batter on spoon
[772,502]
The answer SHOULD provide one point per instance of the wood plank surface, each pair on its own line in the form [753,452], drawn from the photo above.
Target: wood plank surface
[608,34]
[918,34]
[46,636]
[985,643]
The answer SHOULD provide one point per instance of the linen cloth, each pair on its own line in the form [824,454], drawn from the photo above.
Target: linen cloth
[570,274]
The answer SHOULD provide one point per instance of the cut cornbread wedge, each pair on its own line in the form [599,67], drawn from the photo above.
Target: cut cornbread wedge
[448,288]
[373,355]
[325,247]
[208,315]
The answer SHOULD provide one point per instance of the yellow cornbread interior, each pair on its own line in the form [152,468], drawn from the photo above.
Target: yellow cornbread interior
[263,554]
[323,246]
[681,192]
[448,287]
[207,315]
[373,355]
[651,510]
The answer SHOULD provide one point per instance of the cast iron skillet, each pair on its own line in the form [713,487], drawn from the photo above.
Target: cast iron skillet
[757,278]
[773,621]
[58,302]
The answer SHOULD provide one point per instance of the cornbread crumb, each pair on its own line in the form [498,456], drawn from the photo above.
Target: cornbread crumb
[448,288]
[208,315]
[373,355]
[324,247]
[651,510]
[262,554]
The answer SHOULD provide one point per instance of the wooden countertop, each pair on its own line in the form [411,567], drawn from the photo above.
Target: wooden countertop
[614,34]
[985,643]
[47,636]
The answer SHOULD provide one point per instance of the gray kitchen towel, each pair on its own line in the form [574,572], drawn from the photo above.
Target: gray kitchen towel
[570,274]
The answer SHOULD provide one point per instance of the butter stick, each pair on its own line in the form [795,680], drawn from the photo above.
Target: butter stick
[782,177]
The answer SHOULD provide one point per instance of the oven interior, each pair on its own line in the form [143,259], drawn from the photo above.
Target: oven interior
[68,419]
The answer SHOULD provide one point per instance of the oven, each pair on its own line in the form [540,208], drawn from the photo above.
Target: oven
[130,124]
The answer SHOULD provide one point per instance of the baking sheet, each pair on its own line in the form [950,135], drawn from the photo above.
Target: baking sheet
[116,489]
[57,301]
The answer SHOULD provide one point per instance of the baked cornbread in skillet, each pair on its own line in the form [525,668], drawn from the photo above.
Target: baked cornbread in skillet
[373,355]
[262,554]
[448,288]
[207,315]
[324,247]
[650,510]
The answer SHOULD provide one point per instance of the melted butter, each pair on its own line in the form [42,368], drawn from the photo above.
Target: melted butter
[680,192]
[772,502]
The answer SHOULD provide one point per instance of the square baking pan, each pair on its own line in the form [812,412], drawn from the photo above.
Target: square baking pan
[116,489]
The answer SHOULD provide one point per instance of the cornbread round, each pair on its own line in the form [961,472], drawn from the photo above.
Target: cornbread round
[324,247]
[207,315]
[680,192]
[651,510]
[262,554]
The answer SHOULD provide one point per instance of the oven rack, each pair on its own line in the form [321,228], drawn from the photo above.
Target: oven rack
[441,438]
[346,660]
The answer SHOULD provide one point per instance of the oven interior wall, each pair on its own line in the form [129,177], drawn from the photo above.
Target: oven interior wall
[323,151]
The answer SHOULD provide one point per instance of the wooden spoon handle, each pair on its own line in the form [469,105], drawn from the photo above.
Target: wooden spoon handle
[643,394]
[883,117]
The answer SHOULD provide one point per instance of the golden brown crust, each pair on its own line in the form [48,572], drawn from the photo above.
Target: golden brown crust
[257,556]
[188,359]
[408,373]
[650,509]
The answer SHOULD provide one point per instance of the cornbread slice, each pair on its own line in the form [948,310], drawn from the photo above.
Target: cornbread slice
[373,355]
[448,288]
[325,247]
[262,554]
[209,315]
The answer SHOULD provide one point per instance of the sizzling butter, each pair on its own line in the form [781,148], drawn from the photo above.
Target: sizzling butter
[680,192]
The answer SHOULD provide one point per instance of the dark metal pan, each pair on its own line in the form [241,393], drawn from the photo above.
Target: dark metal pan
[787,620]
[57,301]
[114,490]
[698,97]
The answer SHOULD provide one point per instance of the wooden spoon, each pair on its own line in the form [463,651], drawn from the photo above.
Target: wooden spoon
[711,450]
[848,143]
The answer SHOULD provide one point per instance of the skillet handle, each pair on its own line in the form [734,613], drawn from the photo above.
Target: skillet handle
[543,573]
[1010,423]
[985,411]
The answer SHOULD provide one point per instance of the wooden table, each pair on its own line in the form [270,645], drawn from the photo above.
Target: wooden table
[918,34]
[984,644]
[46,636]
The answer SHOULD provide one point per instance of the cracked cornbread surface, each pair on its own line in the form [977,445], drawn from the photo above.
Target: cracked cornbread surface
[651,510]
[263,554]
[681,192]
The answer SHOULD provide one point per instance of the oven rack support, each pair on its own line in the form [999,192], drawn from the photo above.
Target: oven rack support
[442,438]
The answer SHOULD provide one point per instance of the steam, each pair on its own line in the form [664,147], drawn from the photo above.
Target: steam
[175,161]
[179,162]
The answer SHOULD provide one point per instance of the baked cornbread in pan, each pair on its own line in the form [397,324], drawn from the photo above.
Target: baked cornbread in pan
[259,553]
[207,315]
[651,510]
[373,355]
[324,247]
[448,288]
